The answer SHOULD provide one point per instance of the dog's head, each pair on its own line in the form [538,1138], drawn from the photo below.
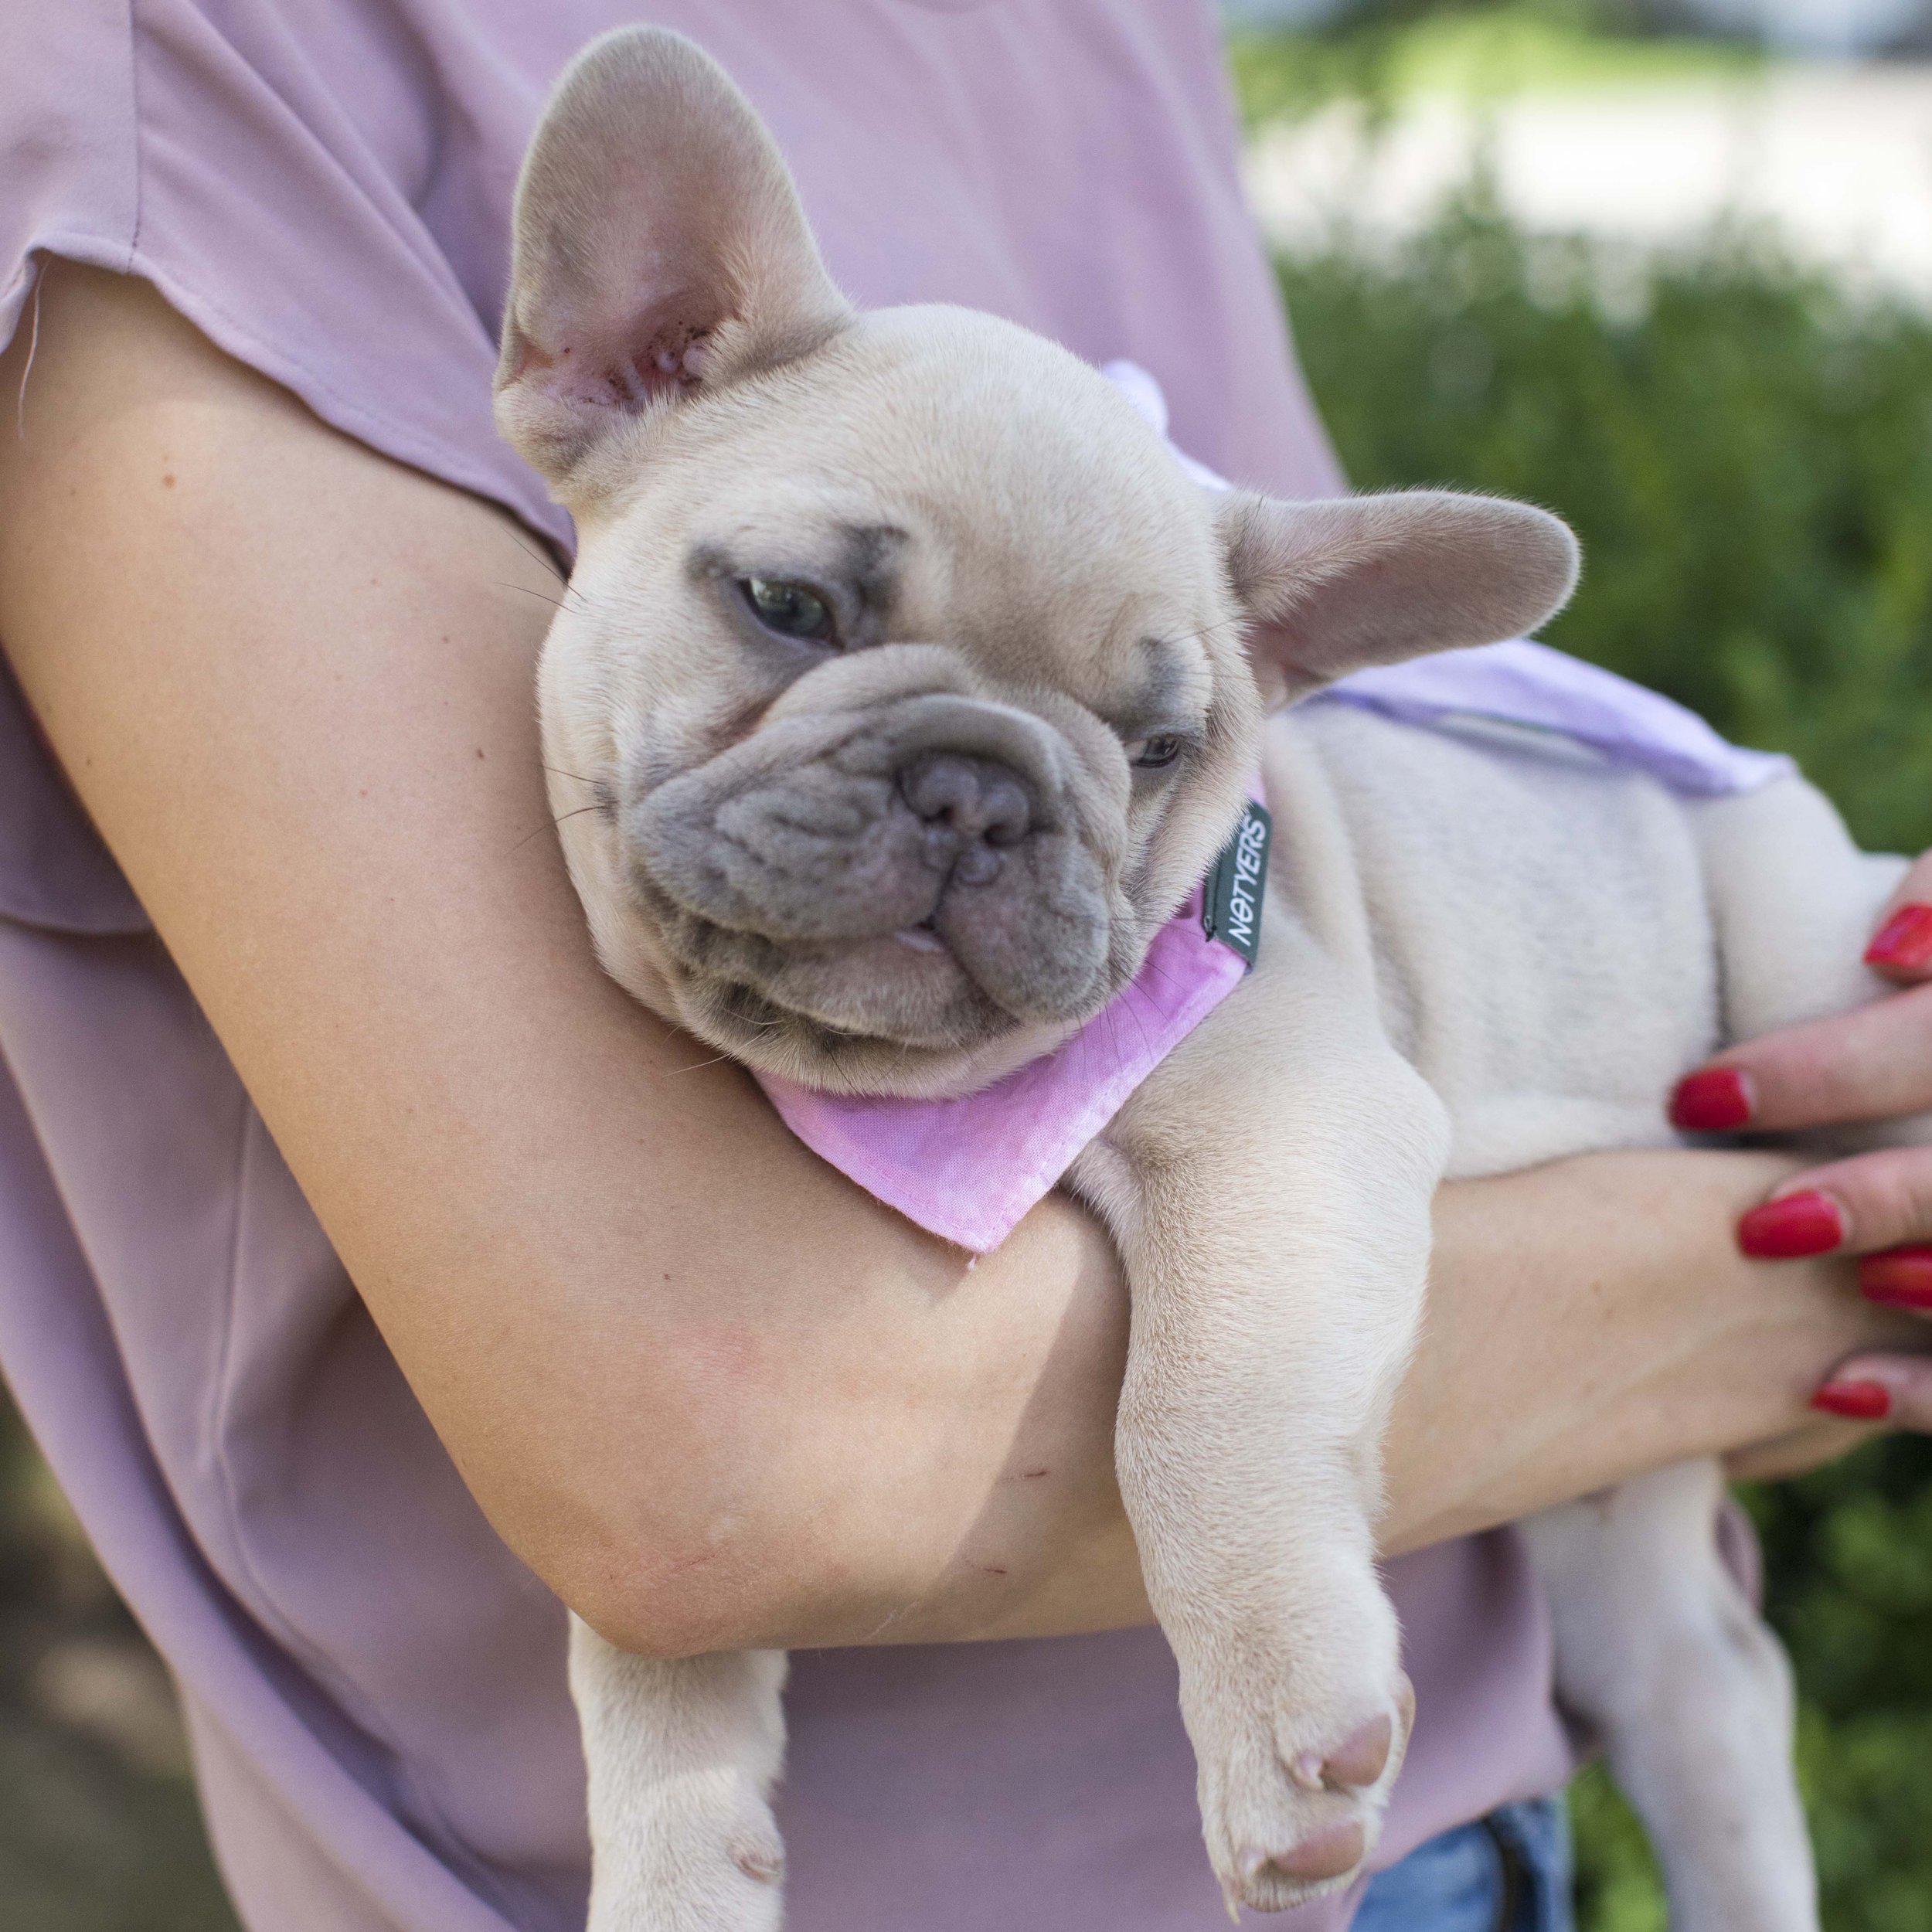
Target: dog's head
[905,685]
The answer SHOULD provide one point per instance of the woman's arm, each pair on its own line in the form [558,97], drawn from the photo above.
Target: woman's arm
[710,1392]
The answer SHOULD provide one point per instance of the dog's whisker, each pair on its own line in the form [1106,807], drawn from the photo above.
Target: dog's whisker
[503,583]
[1150,964]
[698,1067]
[552,824]
[1194,637]
[548,562]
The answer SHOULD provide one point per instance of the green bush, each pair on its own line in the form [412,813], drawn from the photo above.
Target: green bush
[1746,452]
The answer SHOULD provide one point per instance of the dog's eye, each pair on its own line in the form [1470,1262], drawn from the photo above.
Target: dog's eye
[1149,754]
[790,609]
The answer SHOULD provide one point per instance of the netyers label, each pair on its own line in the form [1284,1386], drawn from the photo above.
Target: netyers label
[1231,898]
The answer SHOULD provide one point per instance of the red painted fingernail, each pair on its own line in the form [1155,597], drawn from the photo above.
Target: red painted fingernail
[1793,1224]
[1901,1277]
[1712,1101]
[1904,940]
[1857,1401]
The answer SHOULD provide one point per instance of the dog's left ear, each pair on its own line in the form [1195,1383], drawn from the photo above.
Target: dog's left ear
[659,252]
[1333,587]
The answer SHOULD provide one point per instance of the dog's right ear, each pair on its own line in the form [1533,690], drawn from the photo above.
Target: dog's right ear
[659,249]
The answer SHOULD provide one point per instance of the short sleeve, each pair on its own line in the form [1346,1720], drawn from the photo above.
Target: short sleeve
[295,221]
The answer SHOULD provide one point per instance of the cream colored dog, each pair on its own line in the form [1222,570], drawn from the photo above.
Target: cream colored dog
[917,686]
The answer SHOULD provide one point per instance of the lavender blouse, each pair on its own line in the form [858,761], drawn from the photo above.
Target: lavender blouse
[374,1686]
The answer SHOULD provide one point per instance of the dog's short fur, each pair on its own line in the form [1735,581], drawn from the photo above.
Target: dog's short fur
[914,686]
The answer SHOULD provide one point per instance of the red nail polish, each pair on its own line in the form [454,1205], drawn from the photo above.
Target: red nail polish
[1713,1101]
[1793,1224]
[1904,940]
[1900,1277]
[1856,1401]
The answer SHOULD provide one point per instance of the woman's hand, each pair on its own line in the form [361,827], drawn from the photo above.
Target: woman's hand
[1873,1064]
[1584,1315]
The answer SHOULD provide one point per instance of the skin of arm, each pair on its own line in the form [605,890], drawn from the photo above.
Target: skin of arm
[712,1394]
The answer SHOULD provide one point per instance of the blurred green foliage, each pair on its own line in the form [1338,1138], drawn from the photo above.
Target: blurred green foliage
[1745,449]
[1379,52]
[1746,452]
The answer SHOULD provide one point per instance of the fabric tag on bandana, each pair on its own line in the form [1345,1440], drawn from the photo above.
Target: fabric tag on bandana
[1231,895]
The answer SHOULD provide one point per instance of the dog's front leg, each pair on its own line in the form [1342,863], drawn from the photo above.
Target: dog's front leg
[1270,1191]
[682,1754]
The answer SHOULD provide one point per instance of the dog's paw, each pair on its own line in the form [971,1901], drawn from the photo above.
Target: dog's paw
[702,1855]
[1292,1795]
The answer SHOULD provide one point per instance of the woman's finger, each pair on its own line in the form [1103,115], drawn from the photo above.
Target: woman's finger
[1824,1441]
[1878,1206]
[1864,1065]
[1901,948]
[1864,1395]
[1874,1063]
[1894,1390]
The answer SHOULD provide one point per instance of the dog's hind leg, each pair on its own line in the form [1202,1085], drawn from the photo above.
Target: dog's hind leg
[1657,1646]
[1661,1652]
[682,1753]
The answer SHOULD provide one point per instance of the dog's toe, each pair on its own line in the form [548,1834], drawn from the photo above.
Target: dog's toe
[1363,1757]
[1324,1855]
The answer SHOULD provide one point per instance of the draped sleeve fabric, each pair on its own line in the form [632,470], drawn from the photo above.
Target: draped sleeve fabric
[375,1687]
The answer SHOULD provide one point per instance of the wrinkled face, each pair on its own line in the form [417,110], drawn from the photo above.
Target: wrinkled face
[907,692]
[906,685]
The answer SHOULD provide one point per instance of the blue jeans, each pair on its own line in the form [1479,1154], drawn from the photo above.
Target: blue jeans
[1507,1873]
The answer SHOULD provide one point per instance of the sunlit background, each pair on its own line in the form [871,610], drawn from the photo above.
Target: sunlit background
[1668,268]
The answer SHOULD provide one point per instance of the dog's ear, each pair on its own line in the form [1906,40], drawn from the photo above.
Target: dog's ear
[1332,587]
[659,250]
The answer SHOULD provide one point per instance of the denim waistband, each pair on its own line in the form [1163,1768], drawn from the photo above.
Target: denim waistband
[1508,1872]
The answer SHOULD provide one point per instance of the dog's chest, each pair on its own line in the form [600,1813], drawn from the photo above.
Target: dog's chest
[1542,943]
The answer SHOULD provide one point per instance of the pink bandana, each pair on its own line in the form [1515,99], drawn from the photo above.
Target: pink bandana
[969,1169]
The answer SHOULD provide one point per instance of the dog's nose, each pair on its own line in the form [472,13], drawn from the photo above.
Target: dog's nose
[973,808]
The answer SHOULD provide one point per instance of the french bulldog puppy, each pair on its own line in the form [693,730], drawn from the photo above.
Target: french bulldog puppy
[915,687]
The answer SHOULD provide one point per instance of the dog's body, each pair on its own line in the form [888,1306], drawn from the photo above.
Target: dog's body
[905,673]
